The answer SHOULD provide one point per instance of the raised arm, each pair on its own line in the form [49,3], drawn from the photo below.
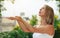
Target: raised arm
[29,28]
[22,26]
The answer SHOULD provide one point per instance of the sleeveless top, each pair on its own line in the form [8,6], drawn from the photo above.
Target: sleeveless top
[40,35]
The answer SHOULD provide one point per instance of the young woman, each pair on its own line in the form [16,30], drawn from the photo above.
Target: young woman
[43,30]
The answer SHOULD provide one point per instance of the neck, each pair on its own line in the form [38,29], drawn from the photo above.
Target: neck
[43,21]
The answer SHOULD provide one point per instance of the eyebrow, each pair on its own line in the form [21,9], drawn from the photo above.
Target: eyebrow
[42,8]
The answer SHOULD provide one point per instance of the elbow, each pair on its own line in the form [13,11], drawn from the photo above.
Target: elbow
[25,30]
[32,30]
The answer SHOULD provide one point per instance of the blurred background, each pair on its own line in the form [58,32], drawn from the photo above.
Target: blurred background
[28,10]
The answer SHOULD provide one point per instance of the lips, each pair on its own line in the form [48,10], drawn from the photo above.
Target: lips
[39,14]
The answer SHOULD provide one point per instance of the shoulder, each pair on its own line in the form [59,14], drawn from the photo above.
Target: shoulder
[50,26]
[51,29]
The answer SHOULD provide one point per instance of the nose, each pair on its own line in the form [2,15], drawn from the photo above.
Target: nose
[39,11]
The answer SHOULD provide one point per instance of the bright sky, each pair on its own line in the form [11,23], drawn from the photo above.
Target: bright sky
[29,7]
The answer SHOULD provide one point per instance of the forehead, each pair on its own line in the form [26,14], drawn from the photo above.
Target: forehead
[43,7]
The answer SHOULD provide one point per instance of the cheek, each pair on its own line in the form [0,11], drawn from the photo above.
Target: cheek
[43,12]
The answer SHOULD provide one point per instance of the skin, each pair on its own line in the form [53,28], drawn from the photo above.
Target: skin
[43,27]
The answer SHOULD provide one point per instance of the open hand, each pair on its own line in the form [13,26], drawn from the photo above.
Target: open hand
[15,18]
[12,18]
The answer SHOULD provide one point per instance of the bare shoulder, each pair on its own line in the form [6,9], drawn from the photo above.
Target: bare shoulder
[51,29]
[50,26]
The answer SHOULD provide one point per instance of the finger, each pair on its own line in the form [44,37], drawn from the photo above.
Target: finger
[18,18]
[12,18]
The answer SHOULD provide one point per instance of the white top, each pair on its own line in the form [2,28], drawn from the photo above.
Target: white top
[40,35]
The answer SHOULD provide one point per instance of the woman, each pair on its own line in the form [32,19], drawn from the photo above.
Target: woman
[43,30]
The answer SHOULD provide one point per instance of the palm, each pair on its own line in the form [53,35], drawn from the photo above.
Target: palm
[12,18]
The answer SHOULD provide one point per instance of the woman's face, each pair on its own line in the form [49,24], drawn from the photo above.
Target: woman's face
[42,11]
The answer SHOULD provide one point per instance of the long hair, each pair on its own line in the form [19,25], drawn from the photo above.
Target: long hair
[49,15]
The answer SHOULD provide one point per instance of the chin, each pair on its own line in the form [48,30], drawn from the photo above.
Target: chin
[39,15]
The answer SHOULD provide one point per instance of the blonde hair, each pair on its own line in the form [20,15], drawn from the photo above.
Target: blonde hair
[49,13]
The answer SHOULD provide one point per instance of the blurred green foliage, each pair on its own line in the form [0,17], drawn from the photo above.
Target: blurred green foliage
[2,8]
[57,0]
[33,20]
[16,33]
[56,22]
[57,27]
[1,0]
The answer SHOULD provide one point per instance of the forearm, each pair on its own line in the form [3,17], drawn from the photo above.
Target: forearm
[32,29]
[27,25]
[22,26]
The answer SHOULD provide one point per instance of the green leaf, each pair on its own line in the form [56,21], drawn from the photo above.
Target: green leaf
[57,0]
[33,20]
[1,0]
